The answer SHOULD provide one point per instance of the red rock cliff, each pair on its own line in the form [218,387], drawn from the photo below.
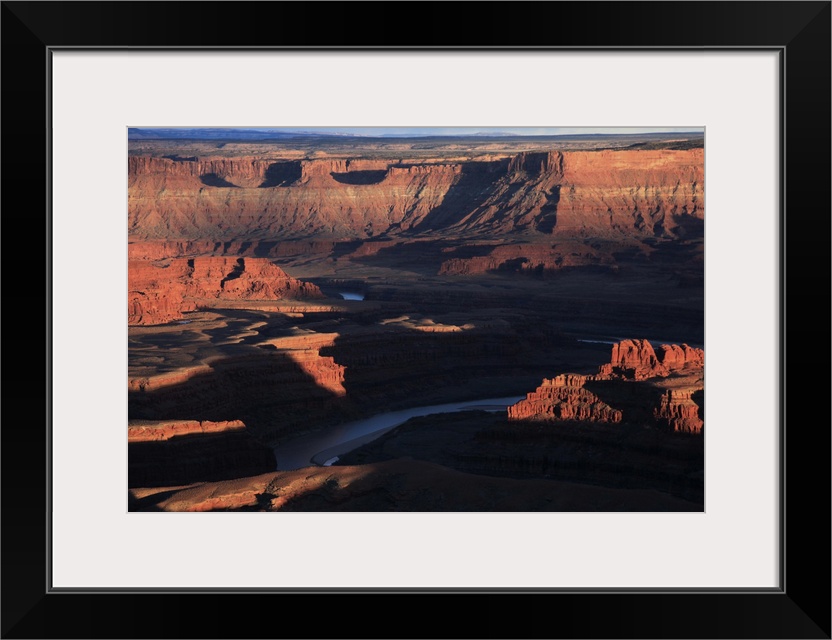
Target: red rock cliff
[570,194]
[630,191]
[159,294]
[678,411]
[218,198]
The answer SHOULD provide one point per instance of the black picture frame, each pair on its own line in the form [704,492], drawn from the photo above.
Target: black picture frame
[799,31]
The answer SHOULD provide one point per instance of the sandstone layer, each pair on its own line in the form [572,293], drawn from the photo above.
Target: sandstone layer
[162,292]
[570,194]
[167,429]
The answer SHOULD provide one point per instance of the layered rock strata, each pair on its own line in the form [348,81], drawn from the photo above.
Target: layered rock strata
[162,249]
[162,292]
[673,371]
[167,429]
[304,351]
[637,360]
[570,194]
[678,411]
[563,398]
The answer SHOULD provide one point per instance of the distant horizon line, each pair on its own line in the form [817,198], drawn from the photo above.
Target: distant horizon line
[376,132]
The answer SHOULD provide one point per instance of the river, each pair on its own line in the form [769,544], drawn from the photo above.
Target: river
[324,448]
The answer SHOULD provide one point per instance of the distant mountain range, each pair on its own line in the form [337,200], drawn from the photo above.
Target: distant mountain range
[252,134]
[223,134]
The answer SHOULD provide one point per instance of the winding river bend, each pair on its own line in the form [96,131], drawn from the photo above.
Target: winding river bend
[324,448]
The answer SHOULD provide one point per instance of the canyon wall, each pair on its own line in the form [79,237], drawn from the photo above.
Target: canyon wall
[162,249]
[285,385]
[643,191]
[160,293]
[276,392]
[570,194]
[177,452]
[221,198]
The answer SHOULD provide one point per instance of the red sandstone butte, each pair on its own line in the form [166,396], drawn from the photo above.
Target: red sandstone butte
[160,293]
[678,411]
[637,360]
[563,398]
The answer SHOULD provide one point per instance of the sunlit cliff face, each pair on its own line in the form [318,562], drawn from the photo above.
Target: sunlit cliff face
[567,194]
[305,352]
[162,292]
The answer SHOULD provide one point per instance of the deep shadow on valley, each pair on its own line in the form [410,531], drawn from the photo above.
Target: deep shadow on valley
[408,344]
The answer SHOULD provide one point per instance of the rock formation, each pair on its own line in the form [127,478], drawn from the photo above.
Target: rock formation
[219,198]
[536,259]
[563,398]
[177,452]
[679,412]
[277,392]
[304,351]
[580,194]
[648,192]
[675,371]
[167,429]
[160,293]
[159,250]
[637,360]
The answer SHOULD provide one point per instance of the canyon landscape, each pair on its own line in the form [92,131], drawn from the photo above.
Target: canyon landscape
[415,320]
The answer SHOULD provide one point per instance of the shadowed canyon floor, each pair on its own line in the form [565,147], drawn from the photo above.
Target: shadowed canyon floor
[277,291]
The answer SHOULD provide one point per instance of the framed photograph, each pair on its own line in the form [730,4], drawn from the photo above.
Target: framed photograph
[510,143]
